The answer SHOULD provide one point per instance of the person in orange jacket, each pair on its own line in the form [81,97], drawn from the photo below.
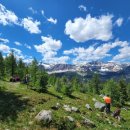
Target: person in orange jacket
[107,100]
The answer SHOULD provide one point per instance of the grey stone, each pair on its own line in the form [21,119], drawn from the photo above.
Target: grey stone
[100,106]
[94,99]
[71,119]
[75,109]
[67,108]
[86,122]
[88,107]
[44,116]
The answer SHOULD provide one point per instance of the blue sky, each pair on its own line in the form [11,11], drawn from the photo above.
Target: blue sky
[66,31]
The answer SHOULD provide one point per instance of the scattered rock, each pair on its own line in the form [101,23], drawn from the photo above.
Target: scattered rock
[71,109]
[44,116]
[100,106]
[71,119]
[67,108]
[86,122]
[101,95]
[124,108]
[75,109]
[94,99]
[88,107]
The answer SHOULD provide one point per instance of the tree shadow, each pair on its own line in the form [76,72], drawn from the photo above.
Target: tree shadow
[73,97]
[10,105]
[54,95]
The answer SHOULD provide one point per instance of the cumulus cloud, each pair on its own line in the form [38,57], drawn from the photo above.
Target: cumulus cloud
[82,8]
[82,30]
[30,25]
[49,44]
[91,53]
[7,17]
[17,43]
[52,20]
[124,54]
[119,22]
[2,40]
[4,48]
[49,50]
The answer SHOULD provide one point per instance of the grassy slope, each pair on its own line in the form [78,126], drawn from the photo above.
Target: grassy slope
[19,106]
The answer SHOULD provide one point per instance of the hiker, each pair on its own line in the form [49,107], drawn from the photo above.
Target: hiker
[116,113]
[107,100]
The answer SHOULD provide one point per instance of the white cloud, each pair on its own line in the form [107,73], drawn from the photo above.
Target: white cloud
[30,25]
[82,30]
[52,20]
[82,8]
[4,48]
[17,43]
[49,50]
[2,40]
[49,44]
[124,54]
[42,12]
[57,60]
[91,53]
[27,46]
[32,10]
[7,17]
[27,59]
[119,22]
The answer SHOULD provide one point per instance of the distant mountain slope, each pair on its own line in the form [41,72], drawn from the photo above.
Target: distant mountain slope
[105,70]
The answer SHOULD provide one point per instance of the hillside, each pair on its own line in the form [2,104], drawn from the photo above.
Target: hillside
[19,106]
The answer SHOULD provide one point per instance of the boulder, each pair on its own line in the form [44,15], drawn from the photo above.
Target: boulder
[94,99]
[88,107]
[88,123]
[44,116]
[71,119]
[100,106]
[75,109]
[67,108]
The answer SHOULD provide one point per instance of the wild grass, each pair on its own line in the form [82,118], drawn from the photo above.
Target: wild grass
[19,106]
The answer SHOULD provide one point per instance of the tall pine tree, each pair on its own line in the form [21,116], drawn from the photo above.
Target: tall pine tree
[2,67]
[123,92]
[11,65]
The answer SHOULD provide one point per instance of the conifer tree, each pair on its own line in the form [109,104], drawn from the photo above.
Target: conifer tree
[2,67]
[123,92]
[68,89]
[95,84]
[42,82]
[21,69]
[58,85]
[10,63]
[112,88]
[33,70]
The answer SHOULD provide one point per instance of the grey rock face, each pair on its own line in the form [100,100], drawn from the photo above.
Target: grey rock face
[44,116]
[88,107]
[100,106]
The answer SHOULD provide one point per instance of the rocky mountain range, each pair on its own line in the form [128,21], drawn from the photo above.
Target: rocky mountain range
[105,70]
